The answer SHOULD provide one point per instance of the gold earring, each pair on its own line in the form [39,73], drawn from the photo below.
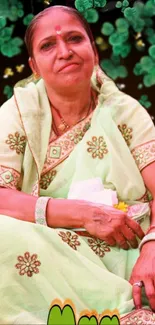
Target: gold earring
[36,76]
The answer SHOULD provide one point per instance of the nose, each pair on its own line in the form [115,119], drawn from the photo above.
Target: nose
[63,51]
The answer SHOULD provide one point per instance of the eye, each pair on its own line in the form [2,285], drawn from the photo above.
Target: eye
[47,46]
[76,38]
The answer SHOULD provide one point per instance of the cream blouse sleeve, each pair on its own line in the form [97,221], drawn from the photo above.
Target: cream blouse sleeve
[12,146]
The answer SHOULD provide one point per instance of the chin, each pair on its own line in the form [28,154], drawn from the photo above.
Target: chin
[74,80]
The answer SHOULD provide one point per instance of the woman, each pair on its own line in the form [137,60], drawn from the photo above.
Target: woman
[72,125]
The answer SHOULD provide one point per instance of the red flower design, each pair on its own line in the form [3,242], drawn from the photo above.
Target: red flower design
[28,264]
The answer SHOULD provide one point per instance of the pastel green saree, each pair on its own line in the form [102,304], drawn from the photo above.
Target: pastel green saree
[40,264]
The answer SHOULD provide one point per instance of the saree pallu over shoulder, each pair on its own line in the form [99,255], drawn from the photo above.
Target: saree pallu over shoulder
[107,148]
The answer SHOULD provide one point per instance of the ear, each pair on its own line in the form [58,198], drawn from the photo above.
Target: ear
[33,66]
[96,59]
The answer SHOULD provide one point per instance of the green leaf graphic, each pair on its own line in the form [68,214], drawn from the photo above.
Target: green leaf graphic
[107,320]
[85,320]
[61,317]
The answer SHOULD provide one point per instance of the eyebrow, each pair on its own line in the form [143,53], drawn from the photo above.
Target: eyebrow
[54,37]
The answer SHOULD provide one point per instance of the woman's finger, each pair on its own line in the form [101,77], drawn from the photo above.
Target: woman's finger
[130,236]
[110,241]
[135,227]
[121,241]
[150,292]
[137,295]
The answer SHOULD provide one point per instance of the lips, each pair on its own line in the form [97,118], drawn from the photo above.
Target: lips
[69,66]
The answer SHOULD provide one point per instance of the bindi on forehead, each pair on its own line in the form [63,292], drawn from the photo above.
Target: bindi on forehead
[58,30]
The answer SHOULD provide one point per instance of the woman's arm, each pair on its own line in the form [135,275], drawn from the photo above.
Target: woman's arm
[19,205]
[148,174]
[144,269]
[101,221]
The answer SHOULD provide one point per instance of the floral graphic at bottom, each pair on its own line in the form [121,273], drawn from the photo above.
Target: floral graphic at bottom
[65,314]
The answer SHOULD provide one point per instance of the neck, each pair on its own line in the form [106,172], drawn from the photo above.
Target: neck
[71,104]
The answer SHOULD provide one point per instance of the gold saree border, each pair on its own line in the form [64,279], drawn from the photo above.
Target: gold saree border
[35,190]
[141,316]
[9,178]
[144,154]
[59,149]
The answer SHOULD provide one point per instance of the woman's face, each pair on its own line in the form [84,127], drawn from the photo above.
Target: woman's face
[62,52]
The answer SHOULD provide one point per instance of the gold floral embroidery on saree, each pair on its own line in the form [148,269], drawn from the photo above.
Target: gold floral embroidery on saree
[126,133]
[97,147]
[47,178]
[16,142]
[98,246]
[28,264]
[70,239]
[144,154]
[9,178]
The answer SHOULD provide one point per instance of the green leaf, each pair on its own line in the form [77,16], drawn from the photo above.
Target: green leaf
[118,39]
[138,25]
[4,8]
[122,71]
[10,49]
[6,33]
[83,5]
[130,14]
[125,50]
[115,59]
[108,66]
[27,19]
[144,97]
[119,4]
[122,25]
[152,51]
[91,15]
[149,31]
[117,49]
[145,102]
[149,9]
[8,91]
[151,39]
[138,69]
[17,41]
[147,63]
[148,80]
[100,3]
[2,22]
[20,13]
[107,29]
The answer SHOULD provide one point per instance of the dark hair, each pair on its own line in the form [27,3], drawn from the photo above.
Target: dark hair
[29,35]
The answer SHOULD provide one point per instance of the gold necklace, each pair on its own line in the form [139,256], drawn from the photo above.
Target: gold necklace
[64,126]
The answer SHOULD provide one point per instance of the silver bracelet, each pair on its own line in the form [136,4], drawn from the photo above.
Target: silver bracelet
[40,210]
[147,238]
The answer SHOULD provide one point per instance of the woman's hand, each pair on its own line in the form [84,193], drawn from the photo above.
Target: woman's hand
[144,270]
[112,225]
